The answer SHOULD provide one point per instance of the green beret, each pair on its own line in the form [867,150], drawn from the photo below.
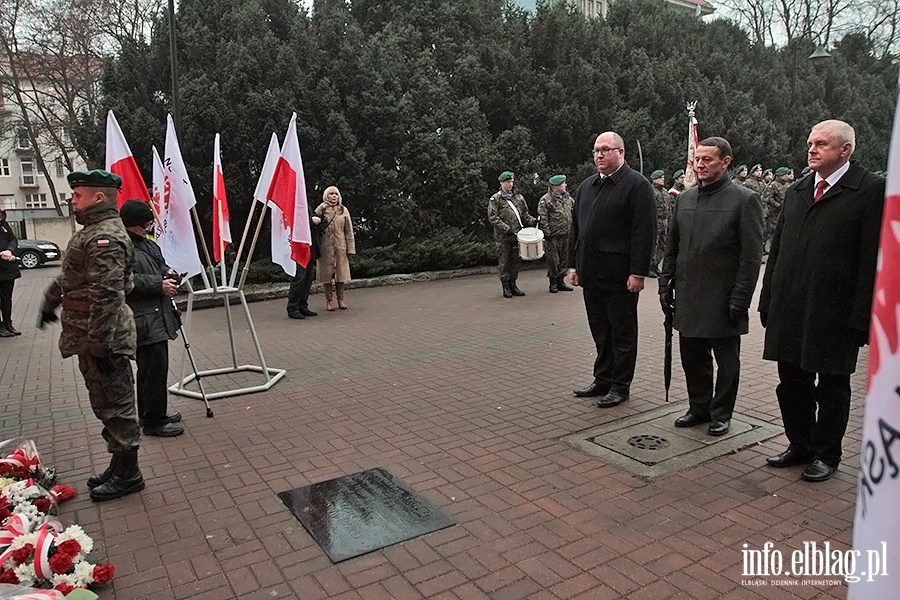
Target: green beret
[755,168]
[657,174]
[95,178]
[780,171]
[767,172]
[557,179]
[678,173]
[740,168]
[505,176]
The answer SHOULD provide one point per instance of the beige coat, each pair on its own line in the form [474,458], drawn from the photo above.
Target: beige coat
[337,244]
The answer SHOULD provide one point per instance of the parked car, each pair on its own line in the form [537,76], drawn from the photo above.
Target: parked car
[34,253]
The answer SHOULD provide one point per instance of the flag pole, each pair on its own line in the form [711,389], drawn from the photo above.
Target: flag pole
[259,224]
[237,258]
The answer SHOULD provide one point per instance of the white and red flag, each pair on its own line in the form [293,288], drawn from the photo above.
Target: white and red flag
[159,199]
[221,221]
[180,246]
[876,533]
[288,192]
[120,160]
[281,235]
[690,176]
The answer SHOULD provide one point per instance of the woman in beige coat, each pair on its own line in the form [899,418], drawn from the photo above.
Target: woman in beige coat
[337,246]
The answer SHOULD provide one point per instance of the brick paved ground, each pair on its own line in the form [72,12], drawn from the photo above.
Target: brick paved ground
[463,395]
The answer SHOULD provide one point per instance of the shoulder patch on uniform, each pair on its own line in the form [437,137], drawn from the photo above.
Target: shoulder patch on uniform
[102,243]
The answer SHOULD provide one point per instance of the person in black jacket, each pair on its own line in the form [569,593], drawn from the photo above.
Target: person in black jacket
[298,294]
[710,267]
[9,272]
[610,250]
[155,284]
[816,300]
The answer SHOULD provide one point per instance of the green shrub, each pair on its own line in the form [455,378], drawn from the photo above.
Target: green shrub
[446,249]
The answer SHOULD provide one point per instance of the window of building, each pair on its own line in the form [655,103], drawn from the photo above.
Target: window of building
[35,200]
[63,199]
[23,142]
[28,174]
[59,166]
[7,201]
[4,167]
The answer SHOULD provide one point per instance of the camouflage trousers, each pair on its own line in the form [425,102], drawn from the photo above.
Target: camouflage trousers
[112,398]
[556,251]
[660,252]
[508,258]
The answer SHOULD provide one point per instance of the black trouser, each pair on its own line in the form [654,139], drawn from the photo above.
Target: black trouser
[152,392]
[717,402]
[298,295]
[6,291]
[799,395]
[612,317]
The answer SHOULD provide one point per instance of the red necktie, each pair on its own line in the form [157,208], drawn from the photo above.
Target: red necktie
[820,189]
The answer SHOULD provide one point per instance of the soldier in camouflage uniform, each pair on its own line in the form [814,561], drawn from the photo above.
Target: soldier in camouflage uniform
[665,205]
[740,175]
[677,184]
[98,326]
[774,198]
[507,221]
[554,211]
[754,181]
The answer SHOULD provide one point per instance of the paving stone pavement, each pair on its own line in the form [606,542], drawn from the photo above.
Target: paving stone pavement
[462,394]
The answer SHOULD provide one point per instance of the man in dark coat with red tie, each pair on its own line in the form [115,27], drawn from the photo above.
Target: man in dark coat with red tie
[816,299]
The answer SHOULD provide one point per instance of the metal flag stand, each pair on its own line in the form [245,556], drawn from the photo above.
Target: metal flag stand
[226,289]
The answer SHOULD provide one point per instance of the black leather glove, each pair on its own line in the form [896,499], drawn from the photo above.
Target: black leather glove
[46,316]
[667,302]
[106,364]
[764,318]
[858,337]
[737,314]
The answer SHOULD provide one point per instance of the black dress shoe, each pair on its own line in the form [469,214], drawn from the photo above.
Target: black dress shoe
[163,429]
[308,313]
[295,315]
[689,419]
[12,329]
[613,398]
[172,417]
[4,332]
[717,428]
[595,389]
[789,458]
[818,471]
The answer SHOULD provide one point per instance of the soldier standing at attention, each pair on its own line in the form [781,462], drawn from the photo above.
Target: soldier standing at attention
[740,174]
[98,326]
[754,181]
[677,184]
[664,207]
[555,218]
[508,213]
[774,198]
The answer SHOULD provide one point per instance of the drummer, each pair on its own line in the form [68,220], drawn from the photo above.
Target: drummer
[554,211]
[508,213]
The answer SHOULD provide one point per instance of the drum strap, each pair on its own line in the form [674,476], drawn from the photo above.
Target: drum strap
[513,207]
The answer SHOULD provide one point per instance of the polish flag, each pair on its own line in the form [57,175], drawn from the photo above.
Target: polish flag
[876,532]
[690,175]
[288,192]
[160,200]
[120,160]
[221,222]
[281,236]
[181,252]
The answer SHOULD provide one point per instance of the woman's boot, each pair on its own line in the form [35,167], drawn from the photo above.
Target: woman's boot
[339,288]
[329,297]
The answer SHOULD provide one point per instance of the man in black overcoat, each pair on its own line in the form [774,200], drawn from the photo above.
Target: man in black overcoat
[610,250]
[710,268]
[816,300]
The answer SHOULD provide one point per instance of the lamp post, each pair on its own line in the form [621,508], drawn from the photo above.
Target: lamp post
[817,56]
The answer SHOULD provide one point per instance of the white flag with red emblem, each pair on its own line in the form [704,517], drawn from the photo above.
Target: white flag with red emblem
[690,176]
[181,252]
[159,200]
[120,160]
[281,235]
[288,192]
[876,533]
[221,221]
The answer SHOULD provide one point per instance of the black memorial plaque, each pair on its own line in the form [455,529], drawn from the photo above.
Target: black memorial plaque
[356,514]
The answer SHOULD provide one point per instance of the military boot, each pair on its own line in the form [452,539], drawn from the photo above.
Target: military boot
[506,292]
[553,284]
[126,479]
[562,286]
[101,478]
[514,290]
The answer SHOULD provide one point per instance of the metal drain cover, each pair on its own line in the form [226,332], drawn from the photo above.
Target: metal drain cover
[647,441]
